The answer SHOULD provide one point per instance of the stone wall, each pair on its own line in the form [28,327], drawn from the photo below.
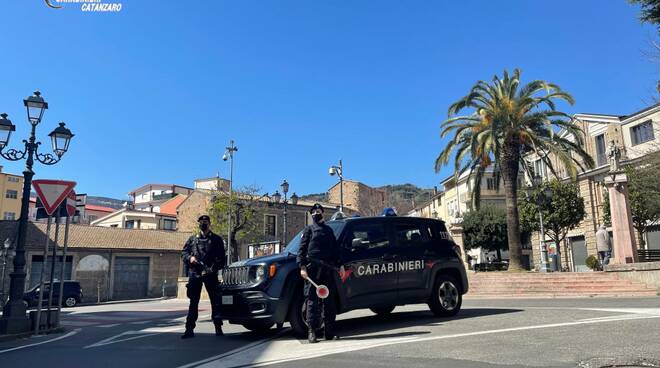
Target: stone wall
[648,273]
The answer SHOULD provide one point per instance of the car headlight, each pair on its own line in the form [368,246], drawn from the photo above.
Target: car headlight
[261,272]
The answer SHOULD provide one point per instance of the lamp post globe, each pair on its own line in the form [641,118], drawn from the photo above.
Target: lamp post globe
[35,106]
[60,138]
[276,197]
[6,128]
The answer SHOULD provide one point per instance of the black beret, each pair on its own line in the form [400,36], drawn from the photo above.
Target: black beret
[204,217]
[316,206]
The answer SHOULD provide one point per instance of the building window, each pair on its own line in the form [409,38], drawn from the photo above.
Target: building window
[490,183]
[539,169]
[114,225]
[13,179]
[11,194]
[169,224]
[129,224]
[10,216]
[270,227]
[601,156]
[642,133]
[91,218]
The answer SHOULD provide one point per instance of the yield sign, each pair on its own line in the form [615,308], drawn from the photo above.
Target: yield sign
[52,192]
[71,203]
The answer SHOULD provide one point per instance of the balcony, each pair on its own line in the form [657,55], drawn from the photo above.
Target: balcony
[158,197]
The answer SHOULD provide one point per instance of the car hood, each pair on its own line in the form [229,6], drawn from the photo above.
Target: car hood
[261,260]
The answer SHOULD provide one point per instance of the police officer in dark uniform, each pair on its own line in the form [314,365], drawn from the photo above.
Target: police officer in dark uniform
[204,254]
[317,257]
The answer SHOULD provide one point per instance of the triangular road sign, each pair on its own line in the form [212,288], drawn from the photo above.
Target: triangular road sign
[70,203]
[52,192]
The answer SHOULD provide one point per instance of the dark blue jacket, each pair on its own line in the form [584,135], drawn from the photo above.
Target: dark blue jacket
[209,250]
[318,242]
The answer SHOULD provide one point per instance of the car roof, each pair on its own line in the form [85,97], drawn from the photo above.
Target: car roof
[401,218]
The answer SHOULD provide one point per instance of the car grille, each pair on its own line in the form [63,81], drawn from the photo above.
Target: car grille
[236,275]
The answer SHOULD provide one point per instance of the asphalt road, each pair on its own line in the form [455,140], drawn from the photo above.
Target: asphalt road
[487,333]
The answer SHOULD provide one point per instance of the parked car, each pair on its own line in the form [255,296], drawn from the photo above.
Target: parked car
[388,261]
[72,294]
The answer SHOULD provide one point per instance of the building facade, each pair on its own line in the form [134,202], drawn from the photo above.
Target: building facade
[109,263]
[636,135]
[150,197]
[11,194]
[127,218]
[269,224]
[359,197]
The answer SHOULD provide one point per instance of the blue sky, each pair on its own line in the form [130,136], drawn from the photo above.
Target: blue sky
[155,92]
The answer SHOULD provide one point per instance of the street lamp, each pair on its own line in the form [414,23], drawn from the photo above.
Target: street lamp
[294,199]
[13,318]
[540,200]
[4,252]
[339,171]
[285,190]
[229,155]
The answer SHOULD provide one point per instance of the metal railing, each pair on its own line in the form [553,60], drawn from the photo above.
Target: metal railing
[648,255]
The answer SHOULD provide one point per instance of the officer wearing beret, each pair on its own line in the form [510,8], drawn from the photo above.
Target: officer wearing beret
[204,254]
[317,256]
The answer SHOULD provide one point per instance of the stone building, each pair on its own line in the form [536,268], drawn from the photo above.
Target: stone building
[109,263]
[637,135]
[359,197]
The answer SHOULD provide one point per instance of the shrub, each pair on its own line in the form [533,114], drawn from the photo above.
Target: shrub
[592,262]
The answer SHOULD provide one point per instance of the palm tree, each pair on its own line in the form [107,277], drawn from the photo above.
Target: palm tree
[508,120]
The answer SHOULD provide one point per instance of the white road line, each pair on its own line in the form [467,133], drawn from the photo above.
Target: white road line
[235,351]
[108,326]
[140,322]
[42,342]
[140,334]
[290,350]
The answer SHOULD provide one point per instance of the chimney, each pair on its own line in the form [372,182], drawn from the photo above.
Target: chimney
[1,168]
[435,190]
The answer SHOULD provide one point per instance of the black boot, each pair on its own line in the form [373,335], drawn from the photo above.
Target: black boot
[311,337]
[188,334]
[218,330]
[330,335]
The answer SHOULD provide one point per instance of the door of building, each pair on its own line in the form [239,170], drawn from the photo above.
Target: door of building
[579,251]
[131,278]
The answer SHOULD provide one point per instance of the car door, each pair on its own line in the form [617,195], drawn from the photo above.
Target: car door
[412,240]
[368,281]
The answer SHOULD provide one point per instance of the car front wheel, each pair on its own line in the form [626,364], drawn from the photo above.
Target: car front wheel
[296,315]
[70,301]
[446,298]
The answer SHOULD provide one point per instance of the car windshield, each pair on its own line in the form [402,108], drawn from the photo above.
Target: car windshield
[294,244]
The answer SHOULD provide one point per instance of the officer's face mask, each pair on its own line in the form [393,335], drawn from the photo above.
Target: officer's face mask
[317,217]
[204,226]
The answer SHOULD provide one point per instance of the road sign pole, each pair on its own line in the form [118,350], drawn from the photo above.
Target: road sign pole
[41,279]
[52,266]
[63,266]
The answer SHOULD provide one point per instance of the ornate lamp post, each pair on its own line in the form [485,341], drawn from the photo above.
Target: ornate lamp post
[339,171]
[285,190]
[229,155]
[13,318]
[540,200]
[4,253]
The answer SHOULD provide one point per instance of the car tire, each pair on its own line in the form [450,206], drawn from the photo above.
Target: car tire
[70,302]
[383,311]
[296,317]
[446,298]
[258,327]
